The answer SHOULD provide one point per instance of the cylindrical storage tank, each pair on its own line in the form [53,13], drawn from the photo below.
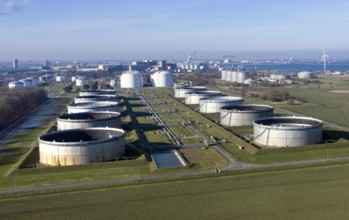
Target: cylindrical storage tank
[306,75]
[244,115]
[26,82]
[60,78]
[93,106]
[15,84]
[228,75]
[89,120]
[224,74]
[193,98]
[181,85]
[214,105]
[82,81]
[34,80]
[81,146]
[241,77]
[95,98]
[180,93]
[162,79]
[287,131]
[233,77]
[132,79]
[97,92]
[112,82]
[73,78]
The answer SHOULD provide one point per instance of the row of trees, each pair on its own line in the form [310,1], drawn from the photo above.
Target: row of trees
[273,96]
[15,103]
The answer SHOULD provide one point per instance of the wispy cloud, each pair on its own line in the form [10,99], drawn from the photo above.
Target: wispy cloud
[9,7]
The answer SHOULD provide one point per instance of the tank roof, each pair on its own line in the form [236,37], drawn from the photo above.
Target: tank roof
[248,108]
[289,122]
[89,115]
[81,136]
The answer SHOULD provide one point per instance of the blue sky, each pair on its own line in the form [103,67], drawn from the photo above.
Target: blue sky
[130,29]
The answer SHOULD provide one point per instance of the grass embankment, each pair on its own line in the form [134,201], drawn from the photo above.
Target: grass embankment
[313,193]
[18,146]
[252,154]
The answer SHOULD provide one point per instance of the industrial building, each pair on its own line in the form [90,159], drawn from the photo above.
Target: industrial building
[244,114]
[287,131]
[93,106]
[81,146]
[214,105]
[131,79]
[162,79]
[95,98]
[181,92]
[88,120]
[193,98]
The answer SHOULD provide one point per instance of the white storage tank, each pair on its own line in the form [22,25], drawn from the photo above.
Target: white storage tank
[162,79]
[88,120]
[95,98]
[97,92]
[15,84]
[93,106]
[81,146]
[241,77]
[26,82]
[34,80]
[193,98]
[181,85]
[287,131]
[82,81]
[73,78]
[131,79]
[112,82]
[60,78]
[244,115]
[213,105]
[233,77]
[229,75]
[181,92]
[224,75]
[306,75]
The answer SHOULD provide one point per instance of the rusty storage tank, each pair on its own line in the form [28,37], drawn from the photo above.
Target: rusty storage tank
[81,146]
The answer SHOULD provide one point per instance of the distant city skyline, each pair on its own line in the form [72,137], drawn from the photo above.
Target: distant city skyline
[154,29]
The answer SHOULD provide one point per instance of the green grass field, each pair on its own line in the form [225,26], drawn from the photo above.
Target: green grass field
[312,193]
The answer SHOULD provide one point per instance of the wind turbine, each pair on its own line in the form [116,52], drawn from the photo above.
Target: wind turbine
[324,58]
